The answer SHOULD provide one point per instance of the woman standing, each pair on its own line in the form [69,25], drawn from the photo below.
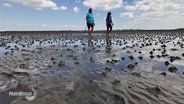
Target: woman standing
[109,23]
[90,25]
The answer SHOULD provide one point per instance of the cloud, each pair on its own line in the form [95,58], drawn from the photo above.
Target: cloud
[155,9]
[37,27]
[127,14]
[76,9]
[7,5]
[103,4]
[78,1]
[155,13]
[36,3]
[63,7]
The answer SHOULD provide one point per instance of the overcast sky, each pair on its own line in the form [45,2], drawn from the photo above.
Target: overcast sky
[70,14]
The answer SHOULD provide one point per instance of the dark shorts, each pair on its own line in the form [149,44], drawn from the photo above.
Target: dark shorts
[90,25]
[109,27]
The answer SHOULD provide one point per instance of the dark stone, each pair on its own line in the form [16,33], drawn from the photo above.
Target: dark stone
[7,47]
[52,59]
[123,58]
[163,73]
[174,49]
[116,81]
[136,63]
[151,56]
[131,57]
[104,73]
[173,58]
[108,61]
[61,64]
[172,69]
[108,69]
[151,52]
[115,61]
[77,63]
[163,45]
[136,74]
[158,56]
[139,52]
[140,57]
[166,63]
[182,54]
[131,66]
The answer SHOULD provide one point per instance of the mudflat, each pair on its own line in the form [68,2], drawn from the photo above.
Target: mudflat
[140,67]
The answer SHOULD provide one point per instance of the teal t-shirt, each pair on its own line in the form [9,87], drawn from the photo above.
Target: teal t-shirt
[90,17]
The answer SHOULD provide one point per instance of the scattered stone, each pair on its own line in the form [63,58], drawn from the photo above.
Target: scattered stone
[77,63]
[115,82]
[113,55]
[163,73]
[182,54]
[154,90]
[131,66]
[174,49]
[108,61]
[166,63]
[108,69]
[165,55]
[163,46]
[104,73]
[139,52]
[152,56]
[6,53]
[158,56]
[61,64]
[52,58]
[75,58]
[172,69]
[114,61]
[8,75]
[7,47]
[151,52]
[123,58]
[173,58]
[91,59]
[136,74]
[140,57]
[131,57]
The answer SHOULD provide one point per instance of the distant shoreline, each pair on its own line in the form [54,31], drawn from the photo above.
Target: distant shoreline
[123,30]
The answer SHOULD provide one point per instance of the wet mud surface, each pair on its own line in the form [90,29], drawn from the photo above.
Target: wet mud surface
[62,68]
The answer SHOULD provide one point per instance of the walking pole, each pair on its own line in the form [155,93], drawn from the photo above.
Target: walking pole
[84,31]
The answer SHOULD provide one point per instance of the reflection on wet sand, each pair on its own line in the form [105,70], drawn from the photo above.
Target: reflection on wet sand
[108,43]
[90,43]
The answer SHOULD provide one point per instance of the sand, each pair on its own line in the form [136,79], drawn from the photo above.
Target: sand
[61,68]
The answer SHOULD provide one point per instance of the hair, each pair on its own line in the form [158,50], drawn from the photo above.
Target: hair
[89,10]
[108,14]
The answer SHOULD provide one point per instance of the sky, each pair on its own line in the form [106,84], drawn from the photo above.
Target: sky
[36,15]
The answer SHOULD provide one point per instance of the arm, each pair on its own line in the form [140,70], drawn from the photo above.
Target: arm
[86,19]
[111,20]
[93,21]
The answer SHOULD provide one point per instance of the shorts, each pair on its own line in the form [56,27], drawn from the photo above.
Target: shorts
[90,25]
[109,26]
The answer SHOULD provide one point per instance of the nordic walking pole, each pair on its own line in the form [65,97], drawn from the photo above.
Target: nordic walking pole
[84,31]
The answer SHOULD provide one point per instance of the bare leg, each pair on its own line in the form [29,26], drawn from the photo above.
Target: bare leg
[89,37]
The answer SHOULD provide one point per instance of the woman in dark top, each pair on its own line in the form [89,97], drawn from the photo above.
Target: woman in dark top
[109,23]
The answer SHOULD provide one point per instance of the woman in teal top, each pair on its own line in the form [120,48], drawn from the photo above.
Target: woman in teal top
[90,25]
